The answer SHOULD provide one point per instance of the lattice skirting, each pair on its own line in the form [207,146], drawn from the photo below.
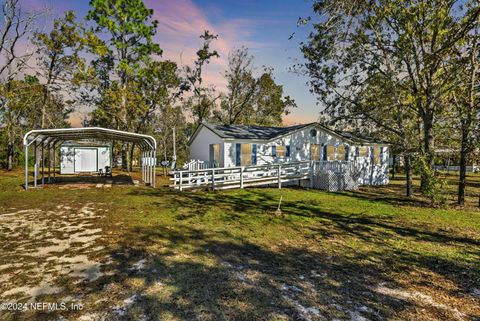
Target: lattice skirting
[335,181]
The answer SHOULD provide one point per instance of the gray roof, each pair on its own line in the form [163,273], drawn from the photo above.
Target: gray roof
[268,133]
[251,131]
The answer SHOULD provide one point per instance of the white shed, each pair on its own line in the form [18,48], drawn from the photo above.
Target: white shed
[84,157]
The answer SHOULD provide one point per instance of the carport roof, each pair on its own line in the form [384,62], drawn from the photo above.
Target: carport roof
[146,142]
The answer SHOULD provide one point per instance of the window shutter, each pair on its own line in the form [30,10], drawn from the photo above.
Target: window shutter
[274,151]
[324,152]
[347,149]
[254,154]
[238,154]
[287,151]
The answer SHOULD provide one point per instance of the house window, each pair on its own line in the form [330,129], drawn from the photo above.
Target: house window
[215,154]
[376,155]
[341,152]
[315,152]
[246,154]
[363,151]
[281,151]
[330,153]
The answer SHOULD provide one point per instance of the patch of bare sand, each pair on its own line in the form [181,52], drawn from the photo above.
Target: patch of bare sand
[45,245]
[420,299]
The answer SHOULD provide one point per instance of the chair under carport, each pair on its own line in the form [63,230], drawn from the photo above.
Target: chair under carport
[49,139]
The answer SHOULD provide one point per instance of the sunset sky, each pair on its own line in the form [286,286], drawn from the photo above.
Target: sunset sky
[262,26]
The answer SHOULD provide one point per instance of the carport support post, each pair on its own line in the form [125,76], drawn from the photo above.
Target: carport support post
[141,163]
[26,167]
[35,165]
[147,171]
[154,165]
[43,164]
[54,160]
[144,168]
[49,152]
[151,168]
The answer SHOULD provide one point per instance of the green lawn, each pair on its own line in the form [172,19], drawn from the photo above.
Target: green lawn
[165,255]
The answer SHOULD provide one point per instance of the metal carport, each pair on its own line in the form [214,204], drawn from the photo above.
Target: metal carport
[47,139]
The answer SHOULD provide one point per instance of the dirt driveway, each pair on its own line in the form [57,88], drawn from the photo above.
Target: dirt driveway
[50,256]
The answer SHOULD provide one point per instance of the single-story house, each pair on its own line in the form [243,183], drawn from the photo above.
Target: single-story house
[244,145]
[84,157]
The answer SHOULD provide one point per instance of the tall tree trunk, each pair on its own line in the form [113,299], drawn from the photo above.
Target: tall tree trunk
[394,163]
[131,157]
[463,168]
[124,125]
[408,175]
[124,156]
[10,154]
[428,147]
[43,119]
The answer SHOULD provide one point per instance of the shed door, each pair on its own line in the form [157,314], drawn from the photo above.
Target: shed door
[85,159]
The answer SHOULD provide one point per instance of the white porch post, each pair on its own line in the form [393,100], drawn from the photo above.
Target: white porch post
[279,176]
[241,176]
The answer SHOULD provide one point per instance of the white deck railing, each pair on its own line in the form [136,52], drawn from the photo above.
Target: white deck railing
[195,165]
[268,174]
[241,176]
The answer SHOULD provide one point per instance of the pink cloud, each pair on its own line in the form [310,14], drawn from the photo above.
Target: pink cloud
[181,23]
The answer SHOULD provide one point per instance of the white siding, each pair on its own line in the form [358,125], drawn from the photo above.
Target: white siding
[298,141]
[200,146]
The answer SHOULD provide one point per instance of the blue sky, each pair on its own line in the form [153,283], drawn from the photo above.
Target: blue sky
[262,26]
